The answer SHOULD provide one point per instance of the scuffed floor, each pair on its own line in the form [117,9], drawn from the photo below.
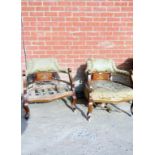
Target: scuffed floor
[53,129]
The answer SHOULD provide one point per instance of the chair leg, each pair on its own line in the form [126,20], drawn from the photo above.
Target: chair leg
[90,109]
[74,101]
[131,108]
[108,109]
[26,108]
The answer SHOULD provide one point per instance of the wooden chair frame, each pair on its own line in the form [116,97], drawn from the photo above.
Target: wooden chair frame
[26,99]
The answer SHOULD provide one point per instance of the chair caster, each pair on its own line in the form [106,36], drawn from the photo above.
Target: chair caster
[27,115]
[108,109]
[73,109]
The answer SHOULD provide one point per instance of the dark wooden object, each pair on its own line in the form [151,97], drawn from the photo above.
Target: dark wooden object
[101,76]
[43,76]
[23,98]
[131,108]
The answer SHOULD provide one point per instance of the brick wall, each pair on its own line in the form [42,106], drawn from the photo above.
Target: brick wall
[73,31]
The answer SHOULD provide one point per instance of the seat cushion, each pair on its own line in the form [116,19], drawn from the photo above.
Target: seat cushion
[47,88]
[108,91]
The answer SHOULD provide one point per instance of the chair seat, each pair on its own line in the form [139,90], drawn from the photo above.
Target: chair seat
[108,91]
[47,88]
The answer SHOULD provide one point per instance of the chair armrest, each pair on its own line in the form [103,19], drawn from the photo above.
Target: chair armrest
[89,87]
[71,78]
[123,72]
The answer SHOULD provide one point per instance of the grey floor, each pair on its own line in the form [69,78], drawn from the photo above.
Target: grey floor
[53,129]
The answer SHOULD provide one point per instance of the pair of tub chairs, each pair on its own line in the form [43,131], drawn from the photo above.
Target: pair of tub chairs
[43,84]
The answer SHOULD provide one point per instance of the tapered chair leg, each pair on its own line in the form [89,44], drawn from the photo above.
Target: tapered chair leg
[27,110]
[90,109]
[131,108]
[74,101]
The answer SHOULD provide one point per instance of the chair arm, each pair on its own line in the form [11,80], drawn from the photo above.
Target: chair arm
[89,87]
[71,78]
[119,71]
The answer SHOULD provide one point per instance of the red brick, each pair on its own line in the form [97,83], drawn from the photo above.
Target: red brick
[38,43]
[113,9]
[43,18]
[107,3]
[44,47]
[85,9]
[85,19]
[126,19]
[58,18]
[79,4]
[92,4]
[58,28]
[50,3]
[86,28]
[39,52]
[51,14]
[24,3]
[72,19]
[35,3]
[42,8]
[70,8]
[32,47]
[30,28]
[28,8]
[121,3]
[36,14]
[29,19]
[25,14]
[57,8]
[127,9]
[64,3]
[113,19]
[43,28]
[99,8]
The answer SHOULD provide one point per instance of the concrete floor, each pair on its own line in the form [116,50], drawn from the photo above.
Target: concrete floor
[53,129]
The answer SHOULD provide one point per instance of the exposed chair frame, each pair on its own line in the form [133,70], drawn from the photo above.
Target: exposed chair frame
[50,97]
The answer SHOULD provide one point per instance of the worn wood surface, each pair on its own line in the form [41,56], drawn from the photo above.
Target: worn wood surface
[48,98]
[101,76]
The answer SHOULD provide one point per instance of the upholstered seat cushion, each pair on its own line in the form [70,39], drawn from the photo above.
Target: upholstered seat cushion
[108,91]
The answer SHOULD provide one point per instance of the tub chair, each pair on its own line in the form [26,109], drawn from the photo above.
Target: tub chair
[100,88]
[44,83]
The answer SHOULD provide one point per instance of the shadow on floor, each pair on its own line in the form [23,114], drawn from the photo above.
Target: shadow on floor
[77,108]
